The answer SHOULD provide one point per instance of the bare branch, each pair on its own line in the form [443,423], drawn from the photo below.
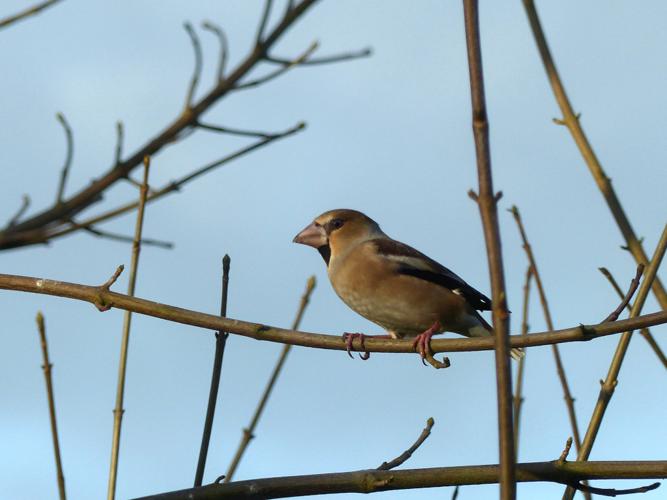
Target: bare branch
[100,296]
[560,369]
[628,296]
[566,451]
[612,492]
[35,9]
[487,202]
[127,320]
[220,341]
[235,131]
[249,432]
[121,237]
[25,203]
[518,389]
[571,120]
[262,23]
[608,386]
[108,283]
[68,158]
[403,457]
[224,46]
[46,367]
[120,135]
[370,481]
[196,72]
[347,56]
[280,71]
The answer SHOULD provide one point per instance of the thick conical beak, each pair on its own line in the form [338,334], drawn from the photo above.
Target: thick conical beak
[313,235]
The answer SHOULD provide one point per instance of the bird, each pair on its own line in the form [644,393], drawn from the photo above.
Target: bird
[394,285]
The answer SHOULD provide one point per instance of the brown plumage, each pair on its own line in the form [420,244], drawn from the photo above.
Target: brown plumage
[392,284]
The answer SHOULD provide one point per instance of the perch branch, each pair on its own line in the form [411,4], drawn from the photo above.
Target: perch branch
[46,367]
[220,342]
[518,388]
[646,333]
[487,202]
[35,9]
[68,158]
[611,381]
[249,432]
[403,457]
[127,319]
[369,481]
[567,395]
[104,299]
[573,124]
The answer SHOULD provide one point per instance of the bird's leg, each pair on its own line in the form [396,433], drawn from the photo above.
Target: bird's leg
[349,338]
[422,344]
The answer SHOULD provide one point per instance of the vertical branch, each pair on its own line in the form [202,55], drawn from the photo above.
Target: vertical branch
[196,72]
[68,158]
[571,121]
[248,432]
[487,201]
[611,381]
[120,135]
[518,388]
[127,319]
[220,342]
[646,333]
[264,19]
[52,405]
[217,31]
[569,400]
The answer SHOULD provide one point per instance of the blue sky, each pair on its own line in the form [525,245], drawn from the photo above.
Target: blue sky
[389,135]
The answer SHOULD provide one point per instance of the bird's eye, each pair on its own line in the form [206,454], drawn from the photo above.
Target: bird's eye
[336,223]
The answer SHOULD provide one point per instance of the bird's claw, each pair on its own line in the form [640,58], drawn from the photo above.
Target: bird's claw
[422,344]
[349,338]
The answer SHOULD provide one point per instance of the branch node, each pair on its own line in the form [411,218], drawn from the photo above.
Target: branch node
[101,304]
[498,196]
[473,195]
[559,121]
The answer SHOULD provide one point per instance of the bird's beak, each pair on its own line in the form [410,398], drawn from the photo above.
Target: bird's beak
[313,235]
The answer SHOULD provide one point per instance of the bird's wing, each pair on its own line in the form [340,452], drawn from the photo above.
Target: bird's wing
[412,262]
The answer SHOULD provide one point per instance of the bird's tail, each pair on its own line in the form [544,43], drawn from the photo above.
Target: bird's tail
[483,329]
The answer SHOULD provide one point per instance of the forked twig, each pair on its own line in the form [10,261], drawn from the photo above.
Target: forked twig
[68,158]
[403,457]
[487,203]
[127,319]
[220,342]
[645,332]
[610,382]
[46,367]
[248,432]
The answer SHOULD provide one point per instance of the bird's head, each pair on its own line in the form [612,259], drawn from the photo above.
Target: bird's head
[337,230]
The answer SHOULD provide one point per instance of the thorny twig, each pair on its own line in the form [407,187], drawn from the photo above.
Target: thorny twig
[403,457]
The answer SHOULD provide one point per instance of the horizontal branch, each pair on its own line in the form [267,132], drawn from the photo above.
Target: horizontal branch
[104,299]
[369,481]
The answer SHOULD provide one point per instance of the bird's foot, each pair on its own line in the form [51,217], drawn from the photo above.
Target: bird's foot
[349,338]
[422,344]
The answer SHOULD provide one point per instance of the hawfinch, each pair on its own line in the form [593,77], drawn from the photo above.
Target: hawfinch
[392,284]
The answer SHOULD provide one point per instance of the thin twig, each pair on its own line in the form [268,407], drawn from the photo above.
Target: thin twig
[628,296]
[25,204]
[613,492]
[262,23]
[645,332]
[196,72]
[234,131]
[120,135]
[220,342]
[487,202]
[170,187]
[518,388]
[610,382]
[26,13]
[371,480]
[455,493]
[68,158]
[566,451]
[100,296]
[567,395]
[403,457]
[127,319]
[249,432]
[571,120]
[280,71]
[224,46]
[347,56]
[46,367]
[121,237]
